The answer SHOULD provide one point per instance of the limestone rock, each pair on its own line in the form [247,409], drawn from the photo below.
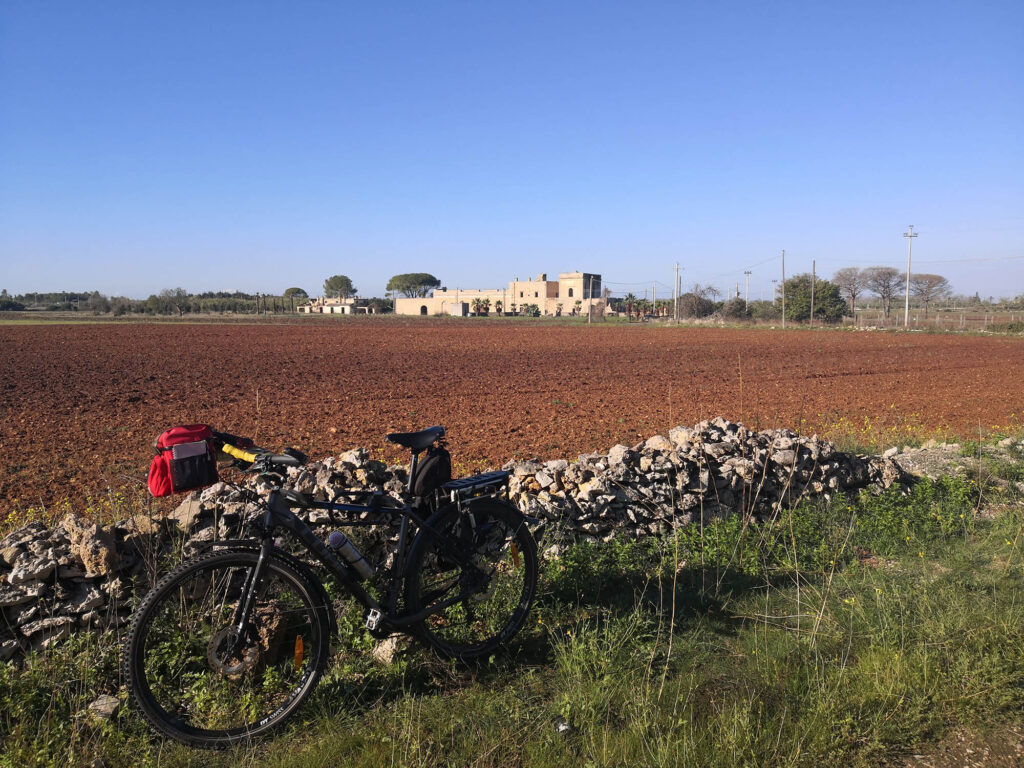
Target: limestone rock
[31,568]
[31,532]
[93,546]
[17,595]
[56,624]
[103,707]
[186,514]
[659,443]
[9,555]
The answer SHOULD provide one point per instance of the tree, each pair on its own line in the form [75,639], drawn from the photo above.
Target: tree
[499,306]
[297,293]
[340,286]
[735,309]
[97,303]
[885,283]
[929,288]
[414,284]
[477,305]
[852,282]
[629,300]
[764,310]
[828,303]
[705,291]
[176,298]
[695,305]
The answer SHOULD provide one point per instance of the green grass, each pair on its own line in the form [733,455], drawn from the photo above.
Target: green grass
[836,634]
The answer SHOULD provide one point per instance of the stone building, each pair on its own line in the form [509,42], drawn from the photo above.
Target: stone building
[337,306]
[572,293]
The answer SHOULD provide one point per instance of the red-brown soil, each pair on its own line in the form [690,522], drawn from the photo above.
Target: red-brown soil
[80,404]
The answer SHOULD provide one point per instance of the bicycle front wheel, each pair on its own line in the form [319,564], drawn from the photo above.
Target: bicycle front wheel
[191,673]
[480,567]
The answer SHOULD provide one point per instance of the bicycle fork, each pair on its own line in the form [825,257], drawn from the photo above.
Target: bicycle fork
[254,582]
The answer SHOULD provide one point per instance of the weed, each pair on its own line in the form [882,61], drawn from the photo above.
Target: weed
[838,633]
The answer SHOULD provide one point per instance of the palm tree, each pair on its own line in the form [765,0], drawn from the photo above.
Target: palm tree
[498,306]
[558,309]
[476,304]
[485,306]
[630,301]
[577,307]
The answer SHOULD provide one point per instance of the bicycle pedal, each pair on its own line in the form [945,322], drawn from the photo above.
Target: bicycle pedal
[373,618]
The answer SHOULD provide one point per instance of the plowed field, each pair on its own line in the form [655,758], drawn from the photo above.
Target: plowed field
[80,404]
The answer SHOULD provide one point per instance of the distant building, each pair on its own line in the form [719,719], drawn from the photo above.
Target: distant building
[337,306]
[572,293]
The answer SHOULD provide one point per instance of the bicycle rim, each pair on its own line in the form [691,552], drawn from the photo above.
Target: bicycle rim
[196,680]
[493,590]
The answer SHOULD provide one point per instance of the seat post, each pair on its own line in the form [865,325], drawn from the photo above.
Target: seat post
[412,473]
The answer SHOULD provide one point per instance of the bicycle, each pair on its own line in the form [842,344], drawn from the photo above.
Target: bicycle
[229,644]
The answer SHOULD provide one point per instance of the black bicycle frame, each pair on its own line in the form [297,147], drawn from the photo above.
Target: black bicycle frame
[279,515]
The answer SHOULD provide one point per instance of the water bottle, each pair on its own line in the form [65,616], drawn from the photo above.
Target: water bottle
[339,542]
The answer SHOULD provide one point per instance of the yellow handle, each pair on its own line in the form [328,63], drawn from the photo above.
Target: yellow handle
[238,453]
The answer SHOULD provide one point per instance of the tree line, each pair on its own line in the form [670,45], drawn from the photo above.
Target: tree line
[831,299]
[170,301]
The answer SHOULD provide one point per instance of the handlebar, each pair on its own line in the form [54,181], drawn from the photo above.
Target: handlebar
[260,458]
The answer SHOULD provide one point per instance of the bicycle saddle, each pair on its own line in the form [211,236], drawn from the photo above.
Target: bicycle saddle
[416,441]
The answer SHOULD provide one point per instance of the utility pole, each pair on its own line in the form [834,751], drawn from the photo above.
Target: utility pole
[813,277]
[654,299]
[590,301]
[783,289]
[675,296]
[910,235]
[746,294]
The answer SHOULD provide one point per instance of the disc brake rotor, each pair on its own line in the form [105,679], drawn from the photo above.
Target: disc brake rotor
[240,663]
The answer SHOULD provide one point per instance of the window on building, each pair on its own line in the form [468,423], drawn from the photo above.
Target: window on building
[535,294]
[570,293]
[520,294]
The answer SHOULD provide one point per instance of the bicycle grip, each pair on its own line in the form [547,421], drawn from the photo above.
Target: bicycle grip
[238,453]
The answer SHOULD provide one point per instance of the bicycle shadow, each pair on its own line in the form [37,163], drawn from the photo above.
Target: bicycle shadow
[683,599]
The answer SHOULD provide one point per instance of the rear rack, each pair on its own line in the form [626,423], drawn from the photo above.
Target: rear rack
[486,484]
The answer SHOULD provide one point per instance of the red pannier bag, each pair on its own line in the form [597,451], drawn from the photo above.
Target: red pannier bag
[184,461]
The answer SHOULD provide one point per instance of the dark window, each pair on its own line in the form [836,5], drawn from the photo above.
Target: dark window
[570,293]
[423,309]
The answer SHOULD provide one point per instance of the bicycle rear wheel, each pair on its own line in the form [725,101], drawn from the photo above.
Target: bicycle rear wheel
[191,675]
[491,589]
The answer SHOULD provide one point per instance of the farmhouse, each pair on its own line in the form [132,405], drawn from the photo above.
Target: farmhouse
[572,293]
[337,306]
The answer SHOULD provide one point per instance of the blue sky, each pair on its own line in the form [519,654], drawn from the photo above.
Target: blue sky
[255,146]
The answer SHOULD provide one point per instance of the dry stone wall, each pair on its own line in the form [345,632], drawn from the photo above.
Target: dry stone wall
[79,576]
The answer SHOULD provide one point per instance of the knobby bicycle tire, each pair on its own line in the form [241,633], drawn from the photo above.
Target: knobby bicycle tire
[497,580]
[175,660]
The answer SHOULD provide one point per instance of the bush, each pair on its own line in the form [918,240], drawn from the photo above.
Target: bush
[735,309]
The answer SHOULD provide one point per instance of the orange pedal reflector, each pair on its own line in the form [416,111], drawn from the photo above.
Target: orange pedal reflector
[298,652]
[515,554]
